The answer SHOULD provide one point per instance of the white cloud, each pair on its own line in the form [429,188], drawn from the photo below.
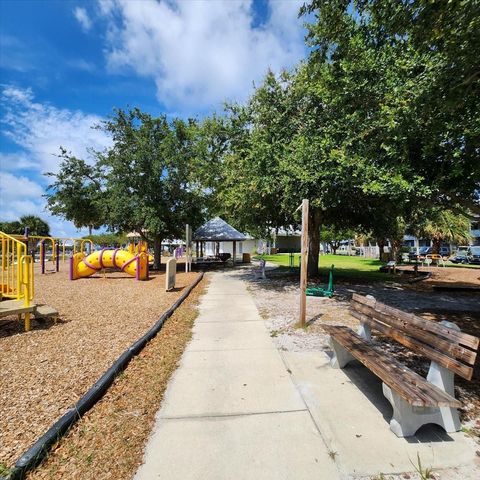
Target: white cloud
[40,129]
[20,196]
[10,185]
[16,161]
[204,52]
[83,19]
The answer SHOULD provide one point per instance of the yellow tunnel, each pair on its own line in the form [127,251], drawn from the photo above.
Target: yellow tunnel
[135,265]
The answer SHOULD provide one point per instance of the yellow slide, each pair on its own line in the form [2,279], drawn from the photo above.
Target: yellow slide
[84,266]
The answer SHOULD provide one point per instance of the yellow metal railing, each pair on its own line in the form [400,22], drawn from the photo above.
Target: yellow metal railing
[16,275]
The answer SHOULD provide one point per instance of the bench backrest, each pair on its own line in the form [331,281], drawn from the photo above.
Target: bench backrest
[447,346]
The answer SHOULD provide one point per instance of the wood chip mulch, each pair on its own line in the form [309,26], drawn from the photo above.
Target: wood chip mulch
[108,442]
[46,371]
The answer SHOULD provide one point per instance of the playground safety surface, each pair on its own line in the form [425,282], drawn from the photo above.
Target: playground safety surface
[45,371]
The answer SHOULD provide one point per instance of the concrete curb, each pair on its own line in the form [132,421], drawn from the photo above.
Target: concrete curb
[37,452]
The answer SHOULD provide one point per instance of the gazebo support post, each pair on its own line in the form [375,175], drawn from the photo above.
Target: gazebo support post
[196,249]
[234,252]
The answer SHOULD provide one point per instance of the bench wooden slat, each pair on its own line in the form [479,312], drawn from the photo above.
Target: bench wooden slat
[394,374]
[412,387]
[444,360]
[462,338]
[452,349]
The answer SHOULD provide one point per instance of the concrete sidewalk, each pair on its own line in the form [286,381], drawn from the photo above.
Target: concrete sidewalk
[231,411]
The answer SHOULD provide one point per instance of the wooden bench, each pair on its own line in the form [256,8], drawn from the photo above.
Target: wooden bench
[416,400]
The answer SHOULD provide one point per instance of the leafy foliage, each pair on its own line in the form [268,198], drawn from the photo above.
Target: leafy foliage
[35,225]
[77,192]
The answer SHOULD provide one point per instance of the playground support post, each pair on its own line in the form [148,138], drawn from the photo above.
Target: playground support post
[57,256]
[304,263]
[42,255]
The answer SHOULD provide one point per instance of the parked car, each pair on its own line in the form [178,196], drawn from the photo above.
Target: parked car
[461,255]
[444,251]
[473,255]
[422,251]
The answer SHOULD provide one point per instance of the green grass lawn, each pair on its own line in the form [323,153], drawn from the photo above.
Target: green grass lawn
[346,267]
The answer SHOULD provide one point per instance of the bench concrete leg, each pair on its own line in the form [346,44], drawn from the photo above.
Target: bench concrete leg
[365,332]
[340,356]
[407,419]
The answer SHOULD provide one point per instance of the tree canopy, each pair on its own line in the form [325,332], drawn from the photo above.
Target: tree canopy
[146,182]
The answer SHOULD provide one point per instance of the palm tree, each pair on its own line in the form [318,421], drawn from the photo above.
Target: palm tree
[36,226]
[446,226]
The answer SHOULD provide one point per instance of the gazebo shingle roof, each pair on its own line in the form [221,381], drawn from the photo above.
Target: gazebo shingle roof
[217,230]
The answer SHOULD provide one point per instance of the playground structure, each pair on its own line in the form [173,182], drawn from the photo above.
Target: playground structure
[63,243]
[139,247]
[52,244]
[16,279]
[136,265]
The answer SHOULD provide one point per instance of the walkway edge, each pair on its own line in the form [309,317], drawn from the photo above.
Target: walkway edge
[37,452]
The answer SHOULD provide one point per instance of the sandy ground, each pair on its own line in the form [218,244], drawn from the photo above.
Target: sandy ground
[277,299]
[45,371]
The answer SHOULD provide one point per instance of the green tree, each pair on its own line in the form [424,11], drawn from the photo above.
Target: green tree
[334,235]
[442,225]
[77,192]
[150,180]
[426,80]
[13,228]
[35,225]
[110,239]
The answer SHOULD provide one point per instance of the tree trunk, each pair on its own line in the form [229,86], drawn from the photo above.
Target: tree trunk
[396,246]
[381,248]
[436,243]
[157,252]
[314,223]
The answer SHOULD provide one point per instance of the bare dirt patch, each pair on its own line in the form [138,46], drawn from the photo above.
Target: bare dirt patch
[45,371]
[460,276]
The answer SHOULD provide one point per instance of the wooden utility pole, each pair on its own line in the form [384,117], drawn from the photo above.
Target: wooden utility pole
[304,264]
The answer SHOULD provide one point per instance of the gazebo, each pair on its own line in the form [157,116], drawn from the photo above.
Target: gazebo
[217,230]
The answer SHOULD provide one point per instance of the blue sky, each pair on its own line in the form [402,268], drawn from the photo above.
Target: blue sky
[64,65]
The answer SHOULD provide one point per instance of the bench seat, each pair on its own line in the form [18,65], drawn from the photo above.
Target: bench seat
[413,388]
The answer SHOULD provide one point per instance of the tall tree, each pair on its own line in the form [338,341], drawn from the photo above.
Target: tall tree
[151,183]
[426,53]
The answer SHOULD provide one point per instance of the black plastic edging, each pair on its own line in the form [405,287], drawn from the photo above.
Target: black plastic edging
[35,454]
